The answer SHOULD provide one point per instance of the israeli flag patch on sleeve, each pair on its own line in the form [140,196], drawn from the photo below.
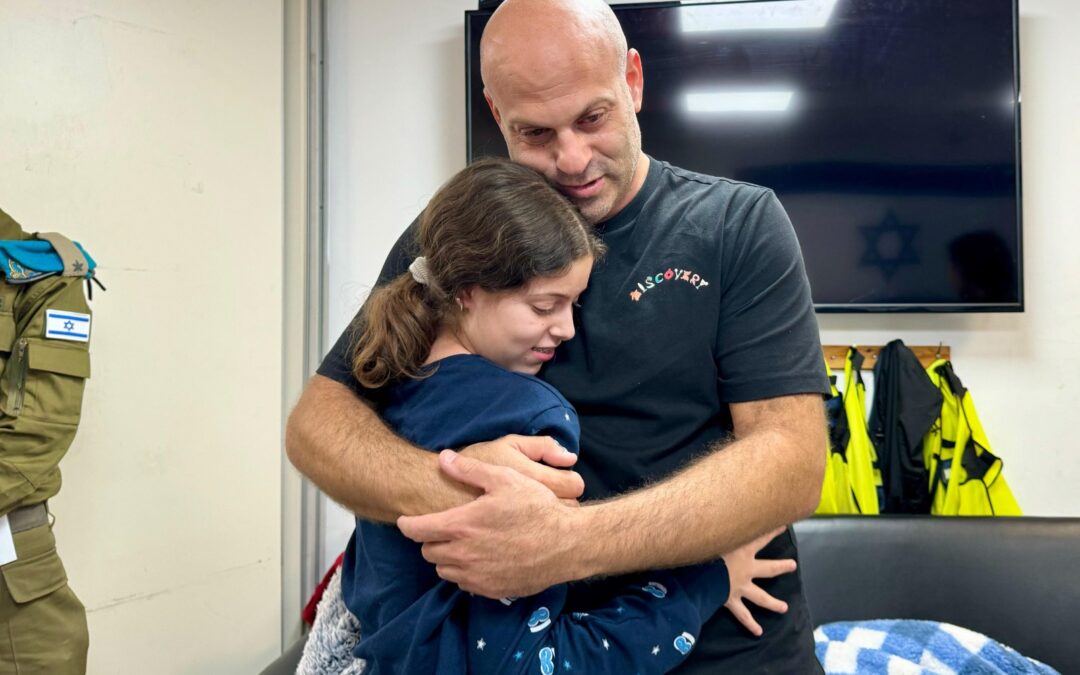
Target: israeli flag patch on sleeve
[61,325]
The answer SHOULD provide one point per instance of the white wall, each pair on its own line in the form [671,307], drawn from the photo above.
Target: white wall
[397,130]
[151,131]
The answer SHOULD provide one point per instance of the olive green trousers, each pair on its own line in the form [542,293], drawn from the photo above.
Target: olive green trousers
[42,623]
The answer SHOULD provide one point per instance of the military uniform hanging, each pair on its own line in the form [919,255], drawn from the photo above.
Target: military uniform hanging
[972,485]
[45,329]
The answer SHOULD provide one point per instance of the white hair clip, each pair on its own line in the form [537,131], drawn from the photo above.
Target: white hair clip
[419,271]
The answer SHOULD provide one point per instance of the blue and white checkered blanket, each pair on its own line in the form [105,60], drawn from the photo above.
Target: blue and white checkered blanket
[904,647]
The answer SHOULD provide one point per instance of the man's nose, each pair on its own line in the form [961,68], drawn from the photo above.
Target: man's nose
[573,154]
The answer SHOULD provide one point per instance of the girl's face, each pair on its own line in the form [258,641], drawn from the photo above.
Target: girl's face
[520,329]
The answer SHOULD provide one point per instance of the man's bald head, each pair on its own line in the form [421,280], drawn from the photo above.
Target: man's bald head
[565,92]
[523,34]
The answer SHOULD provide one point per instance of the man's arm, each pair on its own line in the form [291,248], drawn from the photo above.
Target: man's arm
[769,477]
[516,540]
[338,441]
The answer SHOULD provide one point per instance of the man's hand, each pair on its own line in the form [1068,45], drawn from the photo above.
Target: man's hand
[540,458]
[743,567]
[512,541]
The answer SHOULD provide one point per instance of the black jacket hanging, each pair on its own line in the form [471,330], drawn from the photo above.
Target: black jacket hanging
[906,404]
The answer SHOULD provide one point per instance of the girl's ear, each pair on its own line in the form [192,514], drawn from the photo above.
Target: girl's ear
[465,300]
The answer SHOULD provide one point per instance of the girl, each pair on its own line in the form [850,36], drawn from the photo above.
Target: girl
[459,340]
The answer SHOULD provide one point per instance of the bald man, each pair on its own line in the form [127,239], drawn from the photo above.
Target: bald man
[696,373]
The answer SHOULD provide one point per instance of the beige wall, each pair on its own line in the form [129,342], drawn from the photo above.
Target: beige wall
[151,131]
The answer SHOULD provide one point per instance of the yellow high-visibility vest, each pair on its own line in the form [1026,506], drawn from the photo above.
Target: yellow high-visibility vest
[836,496]
[965,475]
[851,474]
[861,455]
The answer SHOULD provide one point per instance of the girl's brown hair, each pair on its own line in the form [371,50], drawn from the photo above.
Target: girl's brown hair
[495,225]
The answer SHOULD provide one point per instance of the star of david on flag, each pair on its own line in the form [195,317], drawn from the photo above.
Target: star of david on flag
[73,326]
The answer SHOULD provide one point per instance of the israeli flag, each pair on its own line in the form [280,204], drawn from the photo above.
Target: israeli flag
[72,326]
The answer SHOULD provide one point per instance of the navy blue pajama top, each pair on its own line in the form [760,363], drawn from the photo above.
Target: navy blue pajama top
[414,622]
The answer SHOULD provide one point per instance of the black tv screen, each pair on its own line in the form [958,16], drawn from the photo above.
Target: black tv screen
[888,128]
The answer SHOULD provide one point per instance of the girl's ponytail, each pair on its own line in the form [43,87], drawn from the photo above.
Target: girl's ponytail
[394,331]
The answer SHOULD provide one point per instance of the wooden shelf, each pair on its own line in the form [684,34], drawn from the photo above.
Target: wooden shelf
[835,355]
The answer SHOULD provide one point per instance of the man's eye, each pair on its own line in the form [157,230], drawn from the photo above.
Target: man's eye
[593,119]
[535,136]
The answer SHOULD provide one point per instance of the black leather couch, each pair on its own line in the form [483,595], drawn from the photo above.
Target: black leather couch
[1013,579]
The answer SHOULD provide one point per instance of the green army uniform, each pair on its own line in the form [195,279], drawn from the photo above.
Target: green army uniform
[42,623]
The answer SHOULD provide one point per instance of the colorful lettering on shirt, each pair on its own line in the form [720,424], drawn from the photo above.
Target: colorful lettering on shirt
[670,274]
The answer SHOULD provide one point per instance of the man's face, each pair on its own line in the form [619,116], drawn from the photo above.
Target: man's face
[576,124]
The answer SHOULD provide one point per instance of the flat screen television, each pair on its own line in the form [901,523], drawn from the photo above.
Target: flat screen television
[890,130]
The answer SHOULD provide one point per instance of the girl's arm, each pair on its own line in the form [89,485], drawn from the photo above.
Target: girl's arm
[650,626]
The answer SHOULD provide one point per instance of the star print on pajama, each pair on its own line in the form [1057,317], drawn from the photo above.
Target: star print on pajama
[419,623]
[649,627]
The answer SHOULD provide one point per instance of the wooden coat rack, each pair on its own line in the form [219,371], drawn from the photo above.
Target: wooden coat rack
[835,355]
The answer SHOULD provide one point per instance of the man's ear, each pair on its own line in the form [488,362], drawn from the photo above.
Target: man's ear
[493,108]
[635,78]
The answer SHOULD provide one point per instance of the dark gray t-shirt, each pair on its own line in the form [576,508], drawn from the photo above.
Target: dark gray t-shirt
[701,301]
